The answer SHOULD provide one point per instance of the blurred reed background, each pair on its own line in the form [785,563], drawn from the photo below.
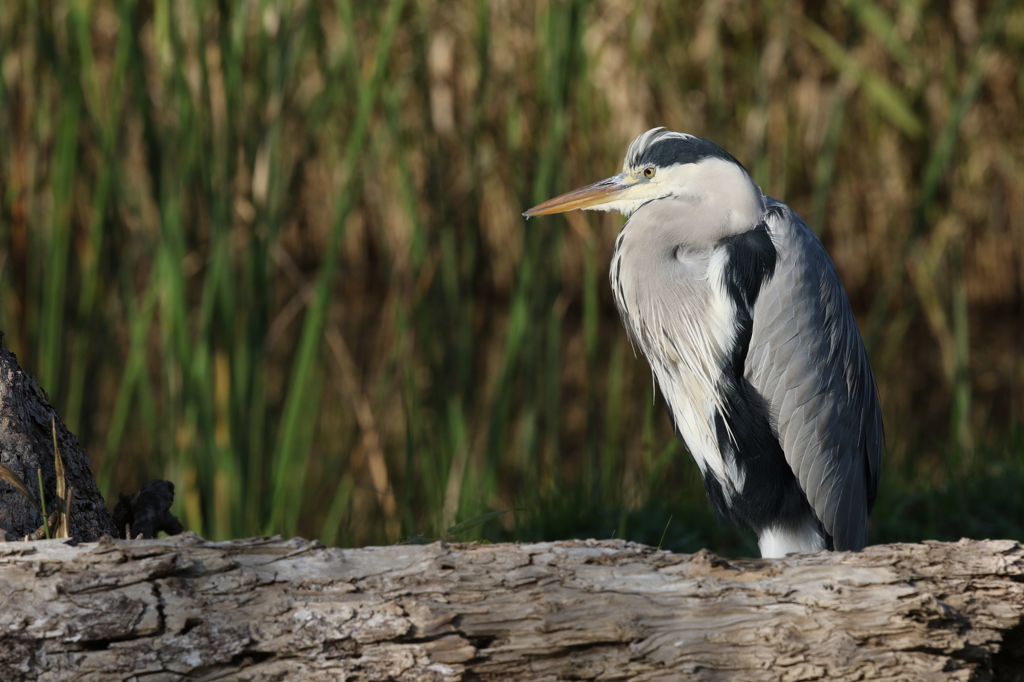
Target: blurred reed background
[273,252]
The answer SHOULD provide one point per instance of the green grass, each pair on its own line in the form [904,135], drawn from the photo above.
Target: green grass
[272,251]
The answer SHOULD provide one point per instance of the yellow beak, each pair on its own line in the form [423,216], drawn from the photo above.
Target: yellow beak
[592,195]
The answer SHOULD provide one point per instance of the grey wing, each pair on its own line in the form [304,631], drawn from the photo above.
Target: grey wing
[807,359]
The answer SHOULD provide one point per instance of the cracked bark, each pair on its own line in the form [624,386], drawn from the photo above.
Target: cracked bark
[263,608]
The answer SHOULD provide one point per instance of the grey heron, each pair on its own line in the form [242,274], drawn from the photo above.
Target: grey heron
[751,340]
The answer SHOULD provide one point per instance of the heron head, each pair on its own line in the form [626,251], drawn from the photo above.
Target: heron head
[659,165]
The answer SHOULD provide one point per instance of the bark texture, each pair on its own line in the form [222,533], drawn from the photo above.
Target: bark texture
[26,444]
[263,608]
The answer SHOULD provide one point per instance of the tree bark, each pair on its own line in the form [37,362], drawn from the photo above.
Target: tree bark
[26,444]
[263,608]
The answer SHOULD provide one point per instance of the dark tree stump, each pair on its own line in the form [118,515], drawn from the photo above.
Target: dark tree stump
[26,444]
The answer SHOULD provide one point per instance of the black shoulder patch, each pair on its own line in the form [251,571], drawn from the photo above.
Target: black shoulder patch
[669,151]
[751,263]
[752,257]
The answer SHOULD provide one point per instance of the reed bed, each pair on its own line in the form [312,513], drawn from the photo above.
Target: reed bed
[272,251]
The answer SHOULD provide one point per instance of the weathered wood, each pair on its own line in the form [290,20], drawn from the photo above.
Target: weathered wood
[268,609]
[26,444]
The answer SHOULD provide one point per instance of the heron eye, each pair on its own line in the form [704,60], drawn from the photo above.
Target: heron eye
[648,172]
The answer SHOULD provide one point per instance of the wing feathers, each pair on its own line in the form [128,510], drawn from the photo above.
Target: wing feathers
[807,359]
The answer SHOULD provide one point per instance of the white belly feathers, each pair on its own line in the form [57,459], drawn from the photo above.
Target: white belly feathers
[684,330]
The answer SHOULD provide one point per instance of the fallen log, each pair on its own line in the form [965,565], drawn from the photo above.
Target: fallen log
[264,608]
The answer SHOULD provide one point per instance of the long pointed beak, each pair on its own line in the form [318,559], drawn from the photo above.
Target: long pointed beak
[591,196]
